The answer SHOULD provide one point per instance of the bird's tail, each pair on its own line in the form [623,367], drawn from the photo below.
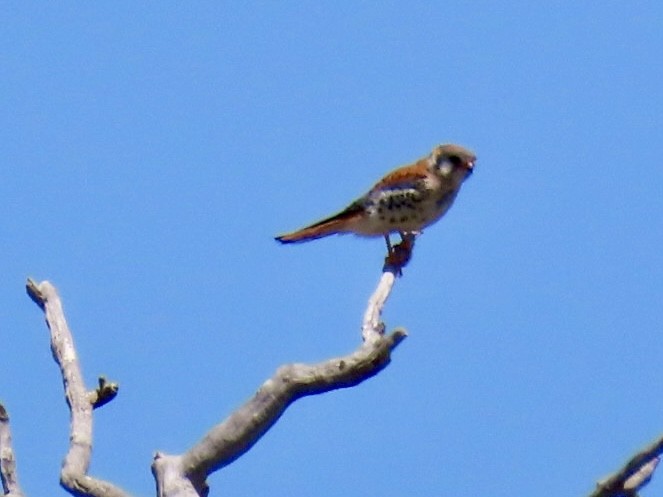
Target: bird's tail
[338,223]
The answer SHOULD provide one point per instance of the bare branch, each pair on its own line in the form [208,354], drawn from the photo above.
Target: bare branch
[7,460]
[635,474]
[372,329]
[73,476]
[186,475]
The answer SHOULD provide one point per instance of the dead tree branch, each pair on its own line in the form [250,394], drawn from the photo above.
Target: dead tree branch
[186,474]
[73,476]
[633,476]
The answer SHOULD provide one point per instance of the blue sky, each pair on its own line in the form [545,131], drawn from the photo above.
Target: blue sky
[153,150]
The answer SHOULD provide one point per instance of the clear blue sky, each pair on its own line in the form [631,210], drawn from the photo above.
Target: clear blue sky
[152,150]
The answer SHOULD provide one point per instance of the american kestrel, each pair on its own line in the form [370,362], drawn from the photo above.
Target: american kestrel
[405,201]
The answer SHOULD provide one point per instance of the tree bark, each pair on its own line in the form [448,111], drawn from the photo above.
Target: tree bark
[7,460]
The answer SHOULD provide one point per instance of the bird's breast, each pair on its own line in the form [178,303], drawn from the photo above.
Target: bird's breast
[402,210]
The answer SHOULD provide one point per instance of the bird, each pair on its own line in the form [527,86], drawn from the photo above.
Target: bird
[405,201]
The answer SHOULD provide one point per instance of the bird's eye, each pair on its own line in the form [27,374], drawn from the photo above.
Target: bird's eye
[455,160]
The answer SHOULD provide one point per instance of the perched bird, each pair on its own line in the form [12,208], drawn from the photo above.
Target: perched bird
[405,201]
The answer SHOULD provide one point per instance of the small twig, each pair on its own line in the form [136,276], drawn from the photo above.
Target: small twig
[635,474]
[73,476]
[186,475]
[7,460]
[104,393]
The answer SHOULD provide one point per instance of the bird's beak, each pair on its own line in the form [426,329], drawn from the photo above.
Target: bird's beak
[469,165]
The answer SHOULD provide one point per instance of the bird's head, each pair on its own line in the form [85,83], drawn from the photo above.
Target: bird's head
[452,161]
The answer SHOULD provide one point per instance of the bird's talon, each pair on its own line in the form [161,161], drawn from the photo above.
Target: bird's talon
[400,254]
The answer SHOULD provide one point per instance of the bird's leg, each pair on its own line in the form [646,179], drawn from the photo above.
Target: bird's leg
[390,260]
[400,254]
[404,248]
[390,249]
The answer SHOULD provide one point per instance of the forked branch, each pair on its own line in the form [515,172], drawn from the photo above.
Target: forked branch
[73,476]
[186,474]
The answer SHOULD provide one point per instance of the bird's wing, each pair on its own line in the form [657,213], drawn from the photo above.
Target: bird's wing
[402,178]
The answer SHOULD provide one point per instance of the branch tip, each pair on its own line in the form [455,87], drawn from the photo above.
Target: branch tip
[35,293]
[397,336]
